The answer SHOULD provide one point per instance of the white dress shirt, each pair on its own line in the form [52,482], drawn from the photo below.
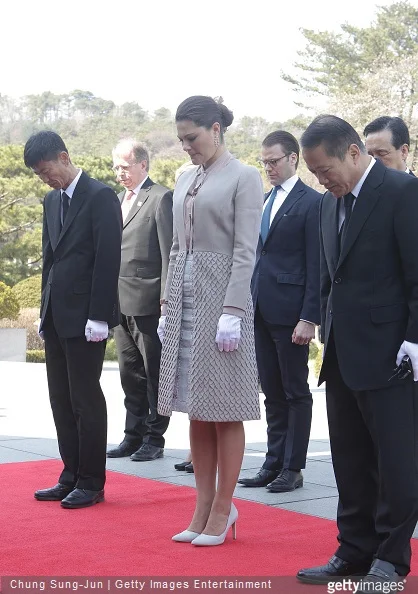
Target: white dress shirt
[70,190]
[282,193]
[127,204]
[355,191]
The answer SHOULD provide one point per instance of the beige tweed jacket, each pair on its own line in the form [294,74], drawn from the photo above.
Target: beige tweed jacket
[226,224]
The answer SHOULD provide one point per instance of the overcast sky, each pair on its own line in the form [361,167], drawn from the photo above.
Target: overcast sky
[158,52]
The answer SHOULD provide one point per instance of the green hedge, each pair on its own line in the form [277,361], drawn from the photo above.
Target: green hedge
[9,305]
[28,291]
[313,350]
[111,354]
[35,356]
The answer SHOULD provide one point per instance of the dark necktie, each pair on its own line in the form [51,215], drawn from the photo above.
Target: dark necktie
[65,205]
[348,207]
[265,220]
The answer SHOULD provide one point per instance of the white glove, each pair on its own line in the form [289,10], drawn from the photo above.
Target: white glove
[161,328]
[96,331]
[40,332]
[228,333]
[409,349]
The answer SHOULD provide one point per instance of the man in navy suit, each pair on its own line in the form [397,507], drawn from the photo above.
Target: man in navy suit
[285,290]
[387,139]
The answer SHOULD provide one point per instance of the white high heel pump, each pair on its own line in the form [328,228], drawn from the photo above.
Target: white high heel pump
[209,540]
[185,536]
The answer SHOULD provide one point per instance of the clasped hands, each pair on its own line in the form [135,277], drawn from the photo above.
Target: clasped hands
[228,332]
[96,331]
[409,349]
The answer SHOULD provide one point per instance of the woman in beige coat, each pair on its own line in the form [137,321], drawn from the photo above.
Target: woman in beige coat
[208,366]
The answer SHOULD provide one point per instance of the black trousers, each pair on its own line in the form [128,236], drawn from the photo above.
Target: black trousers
[283,370]
[374,444]
[139,354]
[78,405]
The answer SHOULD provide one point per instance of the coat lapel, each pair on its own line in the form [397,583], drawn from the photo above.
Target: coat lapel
[294,195]
[54,218]
[329,230]
[140,200]
[76,201]
[364,205]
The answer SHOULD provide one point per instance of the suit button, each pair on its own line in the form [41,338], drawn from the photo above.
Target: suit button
[338,280]
[263,253]
[330,312]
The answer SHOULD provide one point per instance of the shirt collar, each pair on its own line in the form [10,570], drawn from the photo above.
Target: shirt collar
[70,190]
[136,190]
[290,183]
[356,190]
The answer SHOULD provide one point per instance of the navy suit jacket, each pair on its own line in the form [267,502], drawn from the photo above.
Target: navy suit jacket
[285,283]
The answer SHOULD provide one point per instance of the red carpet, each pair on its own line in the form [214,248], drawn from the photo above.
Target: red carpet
[130,534]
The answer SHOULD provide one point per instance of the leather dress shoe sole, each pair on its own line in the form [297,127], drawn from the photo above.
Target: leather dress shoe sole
[335,570]
[122,450]
[285,488]
[182,465]
[261,479]
[147,456]
[82,498]
[57,493]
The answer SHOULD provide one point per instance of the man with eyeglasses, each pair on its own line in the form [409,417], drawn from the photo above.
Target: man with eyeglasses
[387,139]
[147,211]
[285,289]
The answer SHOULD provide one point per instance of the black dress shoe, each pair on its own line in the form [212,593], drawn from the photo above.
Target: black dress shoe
[336,569]
[57,493]
[288,480]
[147,452]
[381,572]
[182,465]
[261,479]
[189,468]
[82,498]
[125,448]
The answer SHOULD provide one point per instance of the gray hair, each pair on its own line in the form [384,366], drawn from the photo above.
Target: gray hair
[132,146]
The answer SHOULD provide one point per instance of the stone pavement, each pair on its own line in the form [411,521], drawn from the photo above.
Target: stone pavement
[27,433]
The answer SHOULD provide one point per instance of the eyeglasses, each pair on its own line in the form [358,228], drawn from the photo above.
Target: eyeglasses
[123,168]
[271,162]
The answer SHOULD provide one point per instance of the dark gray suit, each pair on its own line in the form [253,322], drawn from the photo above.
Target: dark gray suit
[146,243]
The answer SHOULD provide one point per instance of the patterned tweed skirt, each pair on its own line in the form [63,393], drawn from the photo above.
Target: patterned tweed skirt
[182,386]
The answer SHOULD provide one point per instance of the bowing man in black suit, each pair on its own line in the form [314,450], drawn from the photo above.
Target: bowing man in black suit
[82,229]
[387,139]
[369,322]
[285,290]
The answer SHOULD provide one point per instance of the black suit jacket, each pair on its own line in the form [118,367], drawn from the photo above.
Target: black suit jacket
[146,244]
[81,261]
[285,283]
[369,294]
